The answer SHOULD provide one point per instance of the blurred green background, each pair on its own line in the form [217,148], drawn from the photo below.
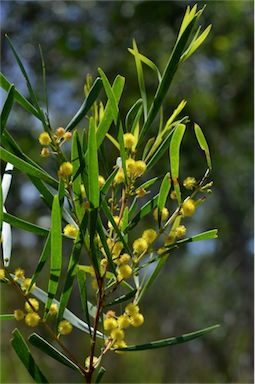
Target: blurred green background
[202,285]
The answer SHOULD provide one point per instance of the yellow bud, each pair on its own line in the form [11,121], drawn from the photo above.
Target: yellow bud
[119,344]
[140,245]
[124,271]
[32,319]
[180,231]
[66,169]
[68,136]
[140,192]
[104,263]
[70,230]
[123,321]
[119,177]
[117,221]
[60,132]
[131,309]
[190,183]
[164,214]
[136,320]
[101,181]
[34,303]
[19,314]
[19,274]
[130,165]
[139,168]
[64,327]
[26,284]
[2,274]
[129,140]
[124,259]
[117,334]
[44,138]
[87,361]
[45,152]
[188,208]
[110,323]
[82,191]
[149,235]
[173,195]
[53,309]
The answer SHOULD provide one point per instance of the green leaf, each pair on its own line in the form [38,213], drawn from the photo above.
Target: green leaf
[196,43]
[100,375]
[212,234]
[82,284]
[1,206]
[108,182]
[72,267]
[148,62]
[23,352]
[139,70]
[25,225]
[7,107]
[56,253]
[105,123]
[93,166]
[167,76]
[40,343]
[171,341]
[164,191]
[122,298]
[43,258]
[76,179]
[27,168]
[28,83]
[132,113]
[175,157]
[5,84]
[7,317]
[203,144]
[87,104]
[100,230]
[162,148]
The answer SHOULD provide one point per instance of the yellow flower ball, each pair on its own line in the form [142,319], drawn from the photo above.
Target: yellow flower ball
[32,319]
[64,327]
[124,271]
[123,321]
[124,259]
[140,245]
[119,177]
[2,274]
[26,284]
[70,230]
[130,166]
[173,195]
[164,214]
[131,309]
[189,183]
[136,320]
[110,323]
[44,138]
[68,136]
[117,221]
[60,132]
[119,344]
[45,152]
[53,309]
[65,169]
[188,208]
[129,140]
[117,248]
[180,231]
[149,235]
[101,181]
[19,314]
[117,334]
[34,303]
[19,274]
[139,168]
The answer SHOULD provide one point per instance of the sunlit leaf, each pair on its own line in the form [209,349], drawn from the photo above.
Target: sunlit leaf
[203,144]
[175,157]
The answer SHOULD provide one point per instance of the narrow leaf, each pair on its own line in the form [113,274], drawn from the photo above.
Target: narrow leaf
[122,298]
[203,144]
[100,375]
[7,107]
[175,157]
[171,341]
[23,352]
[139,70]
[7,317]
[93,166]
[45,347]
[43,258]
[87,104]
[25,225]
[164,191]
[82,284]
[144,211]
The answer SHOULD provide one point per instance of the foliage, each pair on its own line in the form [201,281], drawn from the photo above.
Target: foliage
[100,213]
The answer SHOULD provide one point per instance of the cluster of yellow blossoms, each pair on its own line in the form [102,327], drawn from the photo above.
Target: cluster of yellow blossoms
[61,135]
[116,324]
